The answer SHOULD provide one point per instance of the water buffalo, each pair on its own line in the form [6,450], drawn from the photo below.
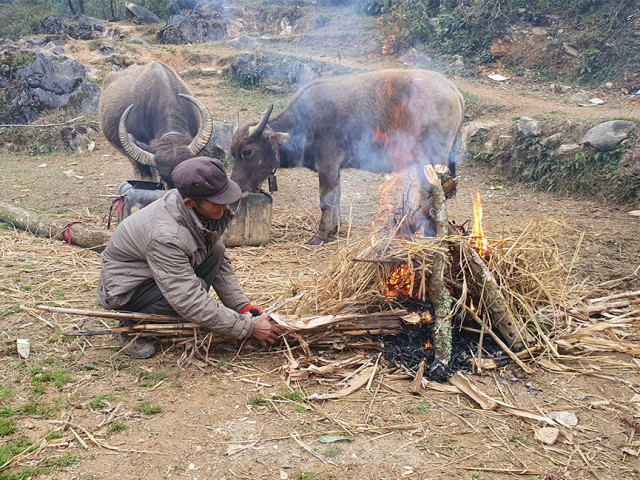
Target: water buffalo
[382,121]
[148,113]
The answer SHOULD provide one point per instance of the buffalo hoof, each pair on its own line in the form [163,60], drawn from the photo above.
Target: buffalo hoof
[315,240]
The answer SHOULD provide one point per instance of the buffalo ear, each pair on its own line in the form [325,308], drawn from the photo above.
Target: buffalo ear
[280,138]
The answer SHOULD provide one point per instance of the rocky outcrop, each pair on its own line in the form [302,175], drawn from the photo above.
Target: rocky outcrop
[51,83]
[206,22]
[79,27]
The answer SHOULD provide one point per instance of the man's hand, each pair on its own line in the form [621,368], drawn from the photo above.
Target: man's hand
[264,331]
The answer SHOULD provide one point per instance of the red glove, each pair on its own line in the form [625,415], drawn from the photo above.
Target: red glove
[252,309]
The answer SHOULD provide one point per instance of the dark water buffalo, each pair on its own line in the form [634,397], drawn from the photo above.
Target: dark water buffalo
[148,113]
[383,121]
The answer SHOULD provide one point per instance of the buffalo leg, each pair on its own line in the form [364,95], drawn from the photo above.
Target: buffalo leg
[329,182]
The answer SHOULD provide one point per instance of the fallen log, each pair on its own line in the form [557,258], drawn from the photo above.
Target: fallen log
[75,233]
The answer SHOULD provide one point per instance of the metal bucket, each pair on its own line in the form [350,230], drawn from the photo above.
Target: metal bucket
[250,226]
[138,194]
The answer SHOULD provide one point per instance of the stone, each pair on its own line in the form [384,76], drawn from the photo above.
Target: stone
[552,141]
[143,15]
[568,150]
[547,435]
[528,127]
[219,144]
[505,140]
[241,42]
[579,97]
[607,135]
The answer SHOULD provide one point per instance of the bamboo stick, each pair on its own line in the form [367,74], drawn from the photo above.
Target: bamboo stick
[110,314]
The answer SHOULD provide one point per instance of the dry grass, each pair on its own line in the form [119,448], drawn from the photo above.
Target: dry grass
[535,278]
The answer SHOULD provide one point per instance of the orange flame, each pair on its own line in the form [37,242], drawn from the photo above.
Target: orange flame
[400,282]
[477,240]
[427,344]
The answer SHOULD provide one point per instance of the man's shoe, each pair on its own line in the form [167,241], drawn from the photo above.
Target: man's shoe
[138,348]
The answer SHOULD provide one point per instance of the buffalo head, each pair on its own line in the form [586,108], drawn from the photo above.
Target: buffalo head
[164,153]
[256,152]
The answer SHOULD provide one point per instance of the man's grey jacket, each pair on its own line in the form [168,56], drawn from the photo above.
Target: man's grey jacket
[166,241]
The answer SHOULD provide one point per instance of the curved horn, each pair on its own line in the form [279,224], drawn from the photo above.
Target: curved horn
[236,123]
[206,126]
[133,150]
[255,132]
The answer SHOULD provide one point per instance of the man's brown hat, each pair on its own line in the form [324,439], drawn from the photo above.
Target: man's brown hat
[204,178]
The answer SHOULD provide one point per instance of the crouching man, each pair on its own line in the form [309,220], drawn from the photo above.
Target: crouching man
[164,258]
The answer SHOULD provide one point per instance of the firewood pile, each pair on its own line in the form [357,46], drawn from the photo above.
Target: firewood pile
[512,291]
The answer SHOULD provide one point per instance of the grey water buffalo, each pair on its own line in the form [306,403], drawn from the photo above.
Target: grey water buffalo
[148,113]
[382,121]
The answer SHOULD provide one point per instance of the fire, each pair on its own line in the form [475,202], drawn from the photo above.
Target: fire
[477,240]
[400,282]
[427,344]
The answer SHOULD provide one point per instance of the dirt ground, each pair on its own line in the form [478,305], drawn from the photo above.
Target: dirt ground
[105,415]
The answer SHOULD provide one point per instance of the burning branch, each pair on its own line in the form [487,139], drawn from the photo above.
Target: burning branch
[438,292]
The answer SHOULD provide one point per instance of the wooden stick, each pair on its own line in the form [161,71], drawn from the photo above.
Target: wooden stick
[110,314]
[390,261]
[417,381]
[485,288]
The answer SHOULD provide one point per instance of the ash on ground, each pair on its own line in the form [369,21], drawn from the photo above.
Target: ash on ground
[407,347]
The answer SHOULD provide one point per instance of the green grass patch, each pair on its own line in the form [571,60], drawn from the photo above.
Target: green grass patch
[147,409]
[11,449]
[289,396]
[258,400]
[520,438]
[418,409]
[7,427]
[99,402]
[7,411]
[116,427]
[6,393]
[58,376]
[53,435]
[43,468]
[148,379]
[305,475]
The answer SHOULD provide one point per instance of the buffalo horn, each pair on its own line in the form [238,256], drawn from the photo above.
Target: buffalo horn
[206,126]
[129,145]
[255,132]
[236,123]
